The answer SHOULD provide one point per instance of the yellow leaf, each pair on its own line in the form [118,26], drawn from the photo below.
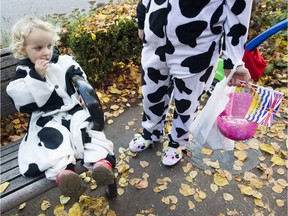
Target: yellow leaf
[191,205]
[45,205]
[114,107]
[105,99]
[241,155]
[110,121]
[207,151]
[59,210]
[64,200]
[114,90]
[75,210]
[280,202]
[219,180]
[277,188]
[277,160]
[4,186]
[267,148]
[144,164]
[165,200]
[120,191]
[186,190]
[22,206]
[258,202]
[249,191]
[93,36]
[111,213]
[228,197]
[213,187]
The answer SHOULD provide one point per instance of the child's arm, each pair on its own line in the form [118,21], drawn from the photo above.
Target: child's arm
[235,31]
[29,91]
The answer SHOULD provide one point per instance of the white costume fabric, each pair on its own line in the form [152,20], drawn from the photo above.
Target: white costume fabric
[60,130]
[181,44]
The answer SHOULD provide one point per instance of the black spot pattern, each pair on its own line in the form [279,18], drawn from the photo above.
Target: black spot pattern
[53,103]
[238,7]
[157,22]
[180,85]
[182,105]
[33,170]
[158,94]
[155,75]
[180,132]
[189,32]
[190,8]
[215,19]
[51,137]
[42,121]
[199,62]
[236,32]
[206,75]
[157,109]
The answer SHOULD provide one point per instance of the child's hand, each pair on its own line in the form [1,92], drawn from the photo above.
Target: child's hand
[140,33]
[41,66]
[240,78]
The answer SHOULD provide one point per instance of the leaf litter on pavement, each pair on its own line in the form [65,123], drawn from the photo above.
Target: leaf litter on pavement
[270,175]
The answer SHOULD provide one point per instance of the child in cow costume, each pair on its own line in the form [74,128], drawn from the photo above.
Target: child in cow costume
[60,129]
[182,41]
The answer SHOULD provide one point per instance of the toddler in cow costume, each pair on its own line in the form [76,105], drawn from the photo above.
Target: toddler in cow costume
[60,129]
[182,42]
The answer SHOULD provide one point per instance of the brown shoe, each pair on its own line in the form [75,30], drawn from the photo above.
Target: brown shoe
[69,184]
[102,173]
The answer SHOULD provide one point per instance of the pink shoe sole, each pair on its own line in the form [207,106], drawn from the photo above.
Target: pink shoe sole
[102,173]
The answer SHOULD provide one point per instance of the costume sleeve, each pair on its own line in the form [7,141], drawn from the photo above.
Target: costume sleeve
[235,31]
[141,10]
[29,91]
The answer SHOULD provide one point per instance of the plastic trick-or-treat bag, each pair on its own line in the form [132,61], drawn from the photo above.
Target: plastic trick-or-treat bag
[204,128]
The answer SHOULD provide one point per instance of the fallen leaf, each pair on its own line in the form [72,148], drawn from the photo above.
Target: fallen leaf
[186,190]
[22,206]
[228,197]
[144,164]
[280,202]
[45,205]
[4,186]
[219,180]
[63,199]
[267,148]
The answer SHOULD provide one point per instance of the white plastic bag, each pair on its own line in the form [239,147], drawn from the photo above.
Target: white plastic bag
[204,128]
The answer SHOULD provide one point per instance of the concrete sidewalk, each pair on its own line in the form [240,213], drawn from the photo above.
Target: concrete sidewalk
[192,190]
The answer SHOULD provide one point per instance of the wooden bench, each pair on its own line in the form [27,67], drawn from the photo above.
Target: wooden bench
[20,189]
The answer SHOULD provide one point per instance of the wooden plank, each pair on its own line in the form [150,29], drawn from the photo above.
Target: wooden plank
[8,61]
[10,145]
[8,74]
[8,158]
[8,151]
[11,174]
[8,167]
[19,182]
[15,199]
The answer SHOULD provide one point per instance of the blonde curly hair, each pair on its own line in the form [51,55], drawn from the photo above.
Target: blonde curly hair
[23,28]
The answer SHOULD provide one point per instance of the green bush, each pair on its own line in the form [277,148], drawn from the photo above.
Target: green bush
[104,39]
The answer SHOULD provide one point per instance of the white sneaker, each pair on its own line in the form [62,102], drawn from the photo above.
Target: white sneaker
[139,143]
[171,156]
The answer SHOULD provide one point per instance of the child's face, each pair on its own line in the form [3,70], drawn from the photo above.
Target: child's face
[38,45]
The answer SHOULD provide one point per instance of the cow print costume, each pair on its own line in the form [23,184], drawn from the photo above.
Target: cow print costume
[181,45]
[60,130]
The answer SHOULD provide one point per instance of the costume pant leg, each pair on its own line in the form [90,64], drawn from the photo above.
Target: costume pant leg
[96,146]
[156,96]
[187,98]
[46,148]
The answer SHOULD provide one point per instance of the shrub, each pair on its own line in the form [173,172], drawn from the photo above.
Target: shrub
[103,39]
